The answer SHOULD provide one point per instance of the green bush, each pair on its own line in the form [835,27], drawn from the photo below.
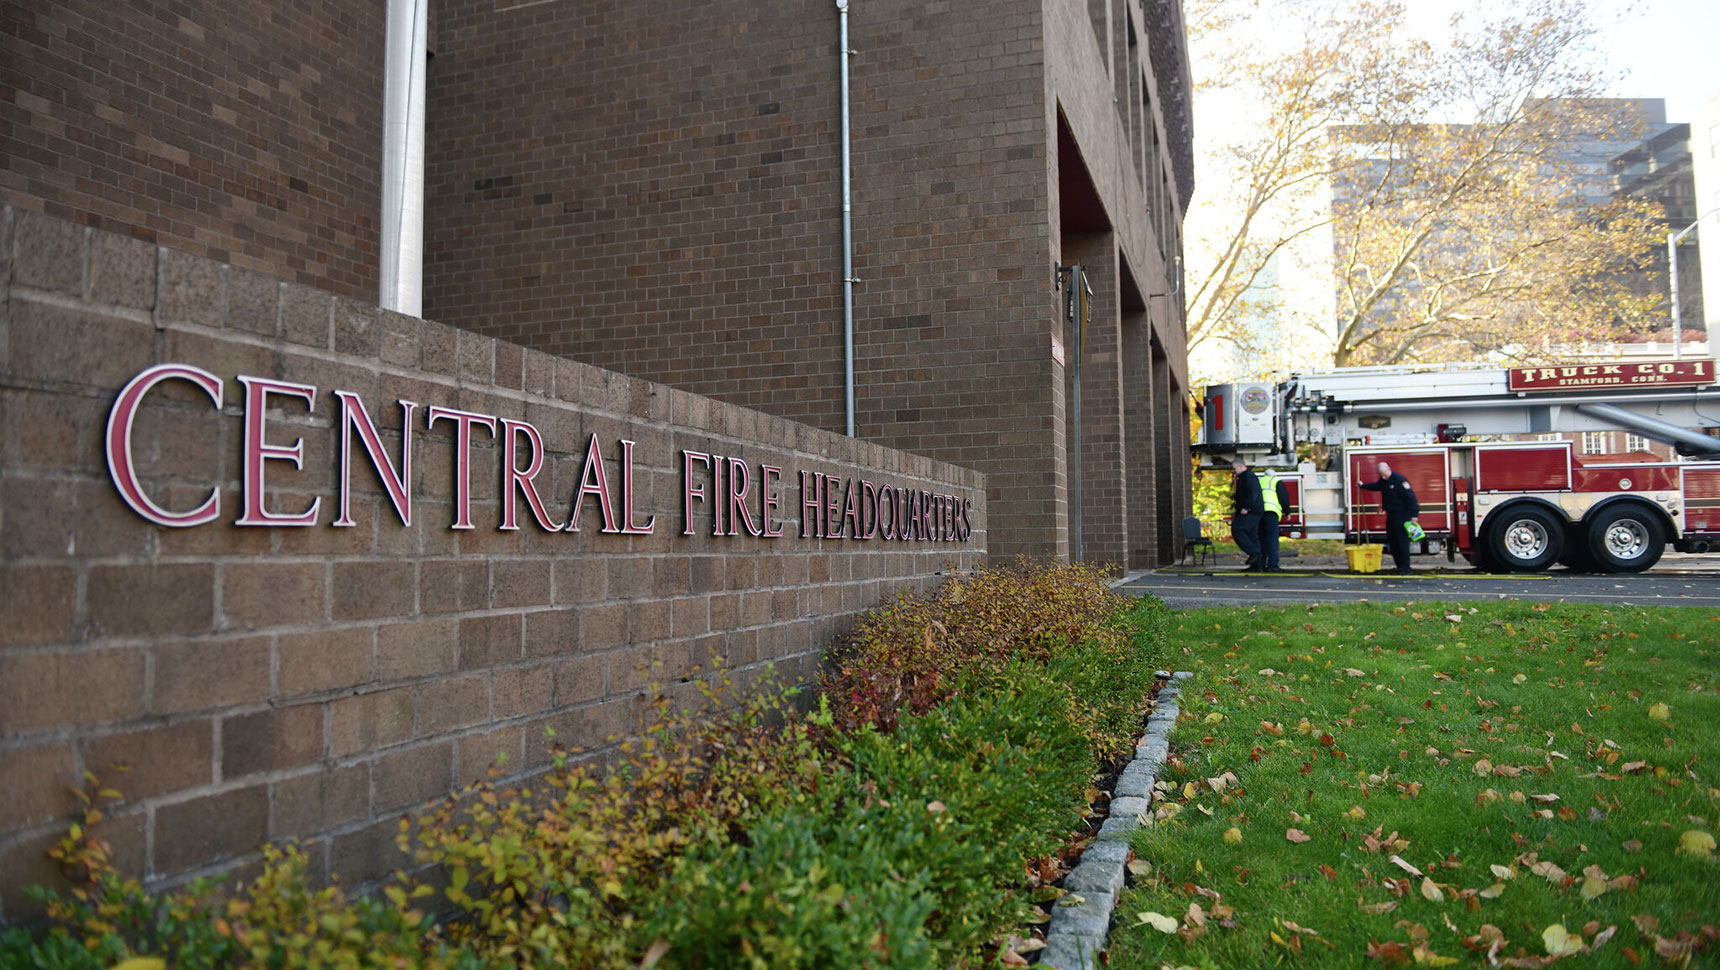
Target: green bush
[891,827]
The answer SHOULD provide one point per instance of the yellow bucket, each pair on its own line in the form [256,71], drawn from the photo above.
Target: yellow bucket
[1364,558]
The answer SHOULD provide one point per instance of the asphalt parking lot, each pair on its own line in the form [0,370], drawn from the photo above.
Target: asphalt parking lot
[1677,581]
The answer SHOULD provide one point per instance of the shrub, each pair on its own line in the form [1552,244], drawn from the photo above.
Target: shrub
[560,871]
[910,655]
[890,827]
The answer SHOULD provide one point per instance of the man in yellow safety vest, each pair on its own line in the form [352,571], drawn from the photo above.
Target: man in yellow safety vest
[1274,510]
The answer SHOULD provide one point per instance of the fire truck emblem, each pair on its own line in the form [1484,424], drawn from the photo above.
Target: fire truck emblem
[1255,400]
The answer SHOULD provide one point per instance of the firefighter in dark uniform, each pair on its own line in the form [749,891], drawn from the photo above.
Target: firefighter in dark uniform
[1247,505]
[1401,508]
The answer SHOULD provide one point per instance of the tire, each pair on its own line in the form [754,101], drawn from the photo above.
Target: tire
[1524,539]
[1625,538]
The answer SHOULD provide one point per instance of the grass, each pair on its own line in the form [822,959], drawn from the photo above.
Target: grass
[1406,785]
[1286,547]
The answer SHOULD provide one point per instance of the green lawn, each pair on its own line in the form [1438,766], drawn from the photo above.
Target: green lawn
[1286,547]
[1423,785]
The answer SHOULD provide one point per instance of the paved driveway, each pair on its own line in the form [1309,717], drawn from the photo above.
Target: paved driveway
[1679,581]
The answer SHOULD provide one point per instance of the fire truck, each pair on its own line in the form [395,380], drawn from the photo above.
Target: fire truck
[1486,451]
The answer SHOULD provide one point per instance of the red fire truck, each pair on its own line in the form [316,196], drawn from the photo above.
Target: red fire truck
[1485,449]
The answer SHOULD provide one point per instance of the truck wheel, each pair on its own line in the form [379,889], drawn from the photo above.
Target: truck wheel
[1625,538]
[1525,539]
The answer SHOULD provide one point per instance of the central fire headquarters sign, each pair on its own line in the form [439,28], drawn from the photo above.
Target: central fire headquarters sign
[726,495]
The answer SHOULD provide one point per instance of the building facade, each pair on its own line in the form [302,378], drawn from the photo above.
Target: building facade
[632,278]
[672,175]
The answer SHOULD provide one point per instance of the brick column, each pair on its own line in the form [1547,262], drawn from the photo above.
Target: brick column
[1167,495]
[1139,471]
[1103,499]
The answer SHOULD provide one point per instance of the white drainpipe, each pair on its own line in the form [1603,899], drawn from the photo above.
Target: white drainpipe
[848,279]
[402,269]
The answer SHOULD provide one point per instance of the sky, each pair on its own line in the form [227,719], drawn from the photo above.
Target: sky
[1658,49]
[1667,48]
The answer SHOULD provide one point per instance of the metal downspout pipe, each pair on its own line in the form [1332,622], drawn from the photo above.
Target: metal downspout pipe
[848,279]
[402,254]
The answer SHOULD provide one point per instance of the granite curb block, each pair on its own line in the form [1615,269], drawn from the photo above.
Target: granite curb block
[1077,932]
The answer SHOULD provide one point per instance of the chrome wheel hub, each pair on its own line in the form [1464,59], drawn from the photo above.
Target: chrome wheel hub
[1525,539]
[1627,539]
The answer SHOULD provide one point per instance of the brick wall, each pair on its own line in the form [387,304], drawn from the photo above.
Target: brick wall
[268,683]
[242,130]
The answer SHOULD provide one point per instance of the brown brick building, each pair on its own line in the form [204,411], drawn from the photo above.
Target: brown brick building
[632,219]
[655,188]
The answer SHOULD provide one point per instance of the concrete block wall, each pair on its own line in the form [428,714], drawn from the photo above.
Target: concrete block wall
[312,683]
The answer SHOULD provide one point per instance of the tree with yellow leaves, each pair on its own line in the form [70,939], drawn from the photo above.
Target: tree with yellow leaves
[1492,230]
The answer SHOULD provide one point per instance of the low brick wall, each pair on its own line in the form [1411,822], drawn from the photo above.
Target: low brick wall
[271,681]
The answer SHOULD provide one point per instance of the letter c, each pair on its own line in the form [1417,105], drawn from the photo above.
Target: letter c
[118,442]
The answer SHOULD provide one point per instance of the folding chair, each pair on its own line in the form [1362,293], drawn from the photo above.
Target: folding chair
[1196,545]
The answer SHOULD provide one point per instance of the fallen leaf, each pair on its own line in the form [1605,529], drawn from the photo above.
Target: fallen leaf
[1503,872]
[1492,892]
[1011,958]
[1675,950]
[1195,915]
[1546,799]
[1593,887]
[1158,921]
[1425,957]
[1696,842]
[1659,711]
[1391,953]
[1232,835]
[1431,892]
[1376,908]
[1519,679]
[1484,767]
[1631,845]
[1549,871]
[1559,942]
[935,807]
[658,951]
[1296,835]
[1398,861]
[1140,868]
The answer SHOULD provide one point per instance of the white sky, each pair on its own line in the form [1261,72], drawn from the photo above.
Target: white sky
[1667,49]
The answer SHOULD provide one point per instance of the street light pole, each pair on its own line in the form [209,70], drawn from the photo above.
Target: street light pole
[1672,239]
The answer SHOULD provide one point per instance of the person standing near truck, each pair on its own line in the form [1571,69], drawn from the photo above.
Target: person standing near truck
[1401,508]
[1247,505]
[1272,510]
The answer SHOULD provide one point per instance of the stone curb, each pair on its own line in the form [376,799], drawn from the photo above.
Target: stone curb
[1077,933]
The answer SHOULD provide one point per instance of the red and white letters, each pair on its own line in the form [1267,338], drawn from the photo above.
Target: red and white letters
[739,497]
